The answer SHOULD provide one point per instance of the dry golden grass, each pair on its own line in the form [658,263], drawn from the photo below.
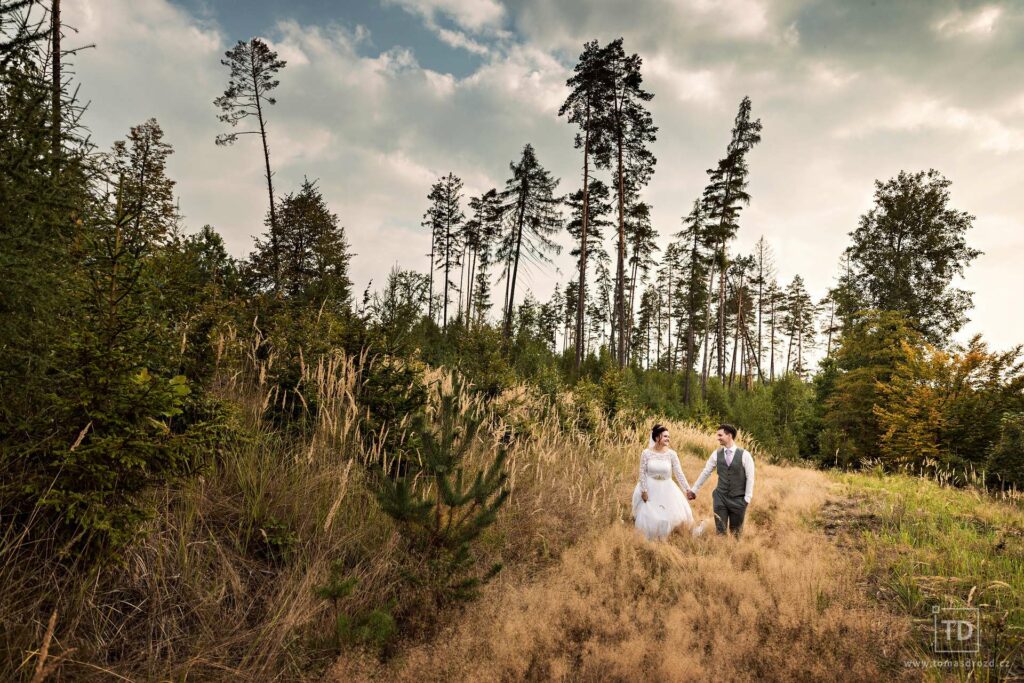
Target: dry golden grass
[781,603]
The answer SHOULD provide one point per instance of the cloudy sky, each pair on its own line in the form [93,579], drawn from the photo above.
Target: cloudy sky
[380,97]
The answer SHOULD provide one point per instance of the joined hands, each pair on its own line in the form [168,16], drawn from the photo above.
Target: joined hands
[690,495]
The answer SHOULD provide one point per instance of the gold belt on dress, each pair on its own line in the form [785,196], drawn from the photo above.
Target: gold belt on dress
[659,477]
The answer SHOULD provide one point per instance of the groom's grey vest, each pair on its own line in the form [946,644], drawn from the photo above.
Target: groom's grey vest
[732,479]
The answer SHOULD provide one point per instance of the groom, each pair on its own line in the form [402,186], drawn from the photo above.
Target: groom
[735,481]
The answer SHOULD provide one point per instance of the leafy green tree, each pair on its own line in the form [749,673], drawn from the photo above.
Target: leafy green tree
[742,301]
[120,418]
[693,279]
[670,291]
[908,249]
[868,356]
[398,309]
[590,252]
[940,410]
[39,212]
[764,272]
[197,287]
[1006,461]
[799,323]
[646,324]
[19,30]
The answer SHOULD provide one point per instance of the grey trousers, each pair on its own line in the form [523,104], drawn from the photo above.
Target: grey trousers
[728,510]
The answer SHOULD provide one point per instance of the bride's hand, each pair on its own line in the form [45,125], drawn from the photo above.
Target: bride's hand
[643,494]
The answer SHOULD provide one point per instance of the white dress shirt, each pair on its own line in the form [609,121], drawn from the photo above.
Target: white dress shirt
[748,467]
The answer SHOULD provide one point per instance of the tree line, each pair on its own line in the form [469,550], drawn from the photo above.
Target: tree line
[111,310]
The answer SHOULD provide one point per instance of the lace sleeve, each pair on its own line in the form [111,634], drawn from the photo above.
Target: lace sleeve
[644,457]
[677,468]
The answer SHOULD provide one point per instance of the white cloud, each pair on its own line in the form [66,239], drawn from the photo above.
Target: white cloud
[667,78]
[473,15]
[831,77]
[745,18]
[480,17]
[459,39]
[980,23]
[922,113]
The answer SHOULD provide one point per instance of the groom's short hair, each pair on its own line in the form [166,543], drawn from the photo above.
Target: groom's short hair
[728,428]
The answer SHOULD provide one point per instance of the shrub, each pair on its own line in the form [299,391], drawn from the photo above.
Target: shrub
[441,509]
[1006,459]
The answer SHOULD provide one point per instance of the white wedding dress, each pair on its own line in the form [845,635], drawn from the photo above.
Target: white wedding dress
[666,505]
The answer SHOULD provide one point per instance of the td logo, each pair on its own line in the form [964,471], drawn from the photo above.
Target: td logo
[956,629]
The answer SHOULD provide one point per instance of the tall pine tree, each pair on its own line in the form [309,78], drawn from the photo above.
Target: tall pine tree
[254,68]
[588,106]
[444,217]
[533,210]
[724,195]
[632,131]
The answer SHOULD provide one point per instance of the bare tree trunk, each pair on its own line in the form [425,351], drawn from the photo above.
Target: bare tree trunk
[55,105]
[515,268]
[687,366]
[508,281]
[668,340]
[736,340]
[275,250]
[632,303]
[472,283]
[800,346]
[789,352]
[583,246]
[772,372]
[706,369]
[430,300]
[721,317]
[620,284]
[462,277]
[657,355]
[757,361]
[447,257]
[760,310]
[831,323]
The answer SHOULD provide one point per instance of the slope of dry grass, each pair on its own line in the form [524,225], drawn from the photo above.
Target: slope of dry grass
[781,603]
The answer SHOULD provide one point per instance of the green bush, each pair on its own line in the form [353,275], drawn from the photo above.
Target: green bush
[1006,459]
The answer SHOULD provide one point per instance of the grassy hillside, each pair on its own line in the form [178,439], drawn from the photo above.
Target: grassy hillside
[835,575]
[926,546]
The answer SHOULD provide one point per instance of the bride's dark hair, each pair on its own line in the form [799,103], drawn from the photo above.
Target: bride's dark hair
[656,432]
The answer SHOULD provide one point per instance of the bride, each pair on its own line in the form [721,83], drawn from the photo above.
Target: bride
[658,504]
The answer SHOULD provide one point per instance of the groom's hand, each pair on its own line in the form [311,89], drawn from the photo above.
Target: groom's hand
[690,495]
[643,495]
